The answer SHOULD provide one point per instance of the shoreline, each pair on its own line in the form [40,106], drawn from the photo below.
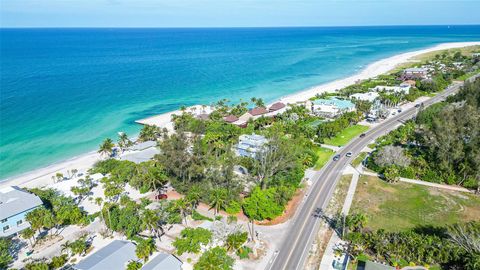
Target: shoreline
[43,176]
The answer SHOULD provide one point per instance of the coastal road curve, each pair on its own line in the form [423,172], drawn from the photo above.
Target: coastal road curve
[301,232]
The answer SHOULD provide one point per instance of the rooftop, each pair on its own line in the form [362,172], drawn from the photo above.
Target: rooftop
[14,200]
[163,262]
[230,118]
[276,106]
[115,255]
[258,111]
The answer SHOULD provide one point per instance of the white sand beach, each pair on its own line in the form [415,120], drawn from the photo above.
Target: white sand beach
[43,177]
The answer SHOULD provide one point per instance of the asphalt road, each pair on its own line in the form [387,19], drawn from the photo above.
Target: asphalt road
[296,245]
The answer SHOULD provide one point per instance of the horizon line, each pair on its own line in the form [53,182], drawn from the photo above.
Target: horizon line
[229,27]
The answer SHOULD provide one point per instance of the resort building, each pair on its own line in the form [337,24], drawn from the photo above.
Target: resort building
[119,253]
[15,204]
[254,113]
[276,107]
[403,88]
[250,145]
[370,96]
[415,73]
[331,107]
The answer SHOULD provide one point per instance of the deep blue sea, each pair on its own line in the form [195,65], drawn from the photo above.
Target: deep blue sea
[62,91]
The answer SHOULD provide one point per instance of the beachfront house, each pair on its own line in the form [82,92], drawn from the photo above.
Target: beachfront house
[370,96]
[403,88]
[15,204]
[415,73]
[254,113]
[119,253]
[331,107]
[250,145]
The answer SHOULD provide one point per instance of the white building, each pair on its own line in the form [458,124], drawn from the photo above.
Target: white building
[403,88]
[370,96]
[415,73]
[15,204]
[250,145]
[332,107]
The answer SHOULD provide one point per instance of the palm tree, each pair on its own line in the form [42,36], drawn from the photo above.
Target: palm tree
[183,206]
[145,248]
[218,199]
[28,233]
[123,141]
[193,196]
[106,148]
[151,221]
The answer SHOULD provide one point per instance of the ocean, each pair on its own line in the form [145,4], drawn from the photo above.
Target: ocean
[62,91]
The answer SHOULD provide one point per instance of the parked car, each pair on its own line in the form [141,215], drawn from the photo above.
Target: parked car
[362,135]
[336,157]
[161,197]
[399,110]
[349,154]
[417,105]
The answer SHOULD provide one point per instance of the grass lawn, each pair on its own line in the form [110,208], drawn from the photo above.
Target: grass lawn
[359,159]
[324,155]
[346,135]
[401,206]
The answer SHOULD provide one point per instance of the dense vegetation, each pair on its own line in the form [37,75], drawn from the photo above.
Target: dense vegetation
[453,247]
[441,145]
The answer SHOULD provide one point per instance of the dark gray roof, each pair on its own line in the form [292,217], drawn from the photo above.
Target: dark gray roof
[163,262]
[115,255]
[14,200]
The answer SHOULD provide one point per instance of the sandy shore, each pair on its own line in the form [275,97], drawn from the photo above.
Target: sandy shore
[42,177]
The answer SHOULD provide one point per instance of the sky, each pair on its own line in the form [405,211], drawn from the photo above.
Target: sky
[235,13]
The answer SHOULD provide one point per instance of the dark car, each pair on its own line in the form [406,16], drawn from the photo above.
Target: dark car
[399,110]
[336,157]
[362,135]
[417,105]
[161,197]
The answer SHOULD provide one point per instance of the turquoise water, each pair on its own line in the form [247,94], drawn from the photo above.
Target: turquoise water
[64,90]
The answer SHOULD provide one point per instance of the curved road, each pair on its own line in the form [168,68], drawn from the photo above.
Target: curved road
[304,227]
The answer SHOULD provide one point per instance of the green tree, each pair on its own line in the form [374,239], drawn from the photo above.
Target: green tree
[391,174]
[134,265]
[58,261]
[235,241]
[145,248]
[261,205]
[123,141]
[190,240]
[28,233]
[218,199]
[149,133]
[5,255]
[214,259]
[106,148]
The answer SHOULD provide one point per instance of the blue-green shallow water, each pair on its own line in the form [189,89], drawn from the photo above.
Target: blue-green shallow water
[64,90]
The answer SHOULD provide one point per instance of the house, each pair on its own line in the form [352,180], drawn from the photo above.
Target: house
[331,107]
[403,88]
[230,118]
[412,83]
[476,55]
[119,253]
[115,255]
[15,204]
[415,73]
[370,96]
[258,111]
[163,261]
[276,106]
[250,145]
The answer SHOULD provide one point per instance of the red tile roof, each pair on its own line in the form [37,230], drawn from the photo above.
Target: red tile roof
[230,119]
[276,106]
[258,111]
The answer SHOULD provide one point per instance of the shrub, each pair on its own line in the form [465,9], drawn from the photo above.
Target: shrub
[233,208]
